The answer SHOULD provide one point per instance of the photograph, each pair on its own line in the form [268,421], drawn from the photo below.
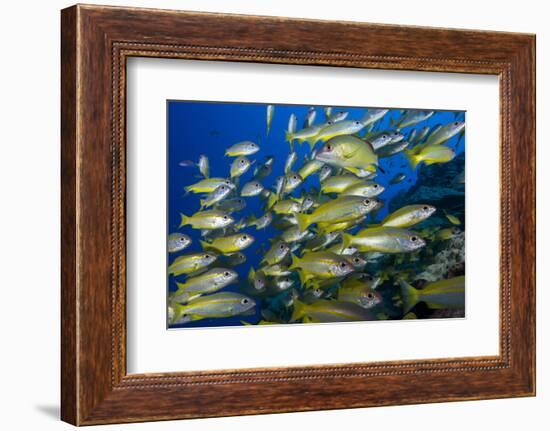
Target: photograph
[283,214]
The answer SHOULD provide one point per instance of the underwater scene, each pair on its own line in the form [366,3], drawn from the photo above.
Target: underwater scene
[284,214]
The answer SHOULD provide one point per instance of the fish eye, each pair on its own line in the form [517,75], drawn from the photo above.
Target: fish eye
[366,202]
[414,238]
[244,238]
[425,208]
[375,186]
[343,265]
[456,123]
[242,161]
[357,260]
[329,147]
[225,217]
[226,273]
[282,247]
[294,177]
[244,301]
[207,256]
[370,295]
[384,136]
[356,123]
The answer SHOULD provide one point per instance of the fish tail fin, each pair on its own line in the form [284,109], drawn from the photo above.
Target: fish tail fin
[180,295]
[409,295]
[272,200]
[295,265]
[346,240]
[178,310]
[303,221]
[311,142]
[184,220]
[295,262]
[412,158]
[289,137]
[298,311]
[251,274]
[205,245]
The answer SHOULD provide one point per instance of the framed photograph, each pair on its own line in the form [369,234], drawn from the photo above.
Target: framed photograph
[325,221]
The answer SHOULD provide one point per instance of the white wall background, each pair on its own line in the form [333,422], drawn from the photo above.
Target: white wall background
[29,214]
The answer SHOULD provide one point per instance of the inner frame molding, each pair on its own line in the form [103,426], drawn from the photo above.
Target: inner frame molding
[96,42]
[121,52]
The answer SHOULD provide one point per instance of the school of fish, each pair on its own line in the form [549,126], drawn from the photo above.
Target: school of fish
[314,270]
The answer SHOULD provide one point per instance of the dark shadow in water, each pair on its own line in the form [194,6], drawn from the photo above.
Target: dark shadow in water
[49,410]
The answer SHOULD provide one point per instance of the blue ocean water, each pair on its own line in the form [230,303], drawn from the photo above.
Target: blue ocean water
[196,128]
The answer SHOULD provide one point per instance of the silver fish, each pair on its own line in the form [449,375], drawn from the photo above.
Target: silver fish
[292,123]
[211,281]
[420,136]
[264,170]
[373,115]
[278,251]
[239,166]
[214,197]
[292,181]
[252,188]
[366,189]
[310,117]
[325,172]
[445,133]
[338,116]
[178,242]
[279,185]
[221,304]
[204,166]
[245,148]
[269,116]
[391,149]
[380,141]
[231,205]
[283,282]
[257,280]
[412,117]
[290,160]
[262,222]
[307,203]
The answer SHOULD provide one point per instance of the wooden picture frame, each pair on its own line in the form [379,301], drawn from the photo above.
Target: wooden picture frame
[96,41]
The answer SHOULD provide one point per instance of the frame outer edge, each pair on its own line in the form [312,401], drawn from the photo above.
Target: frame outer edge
[69,196]
[88,397]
